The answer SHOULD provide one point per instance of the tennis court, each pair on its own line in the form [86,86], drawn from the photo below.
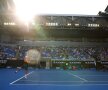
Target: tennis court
[54,80]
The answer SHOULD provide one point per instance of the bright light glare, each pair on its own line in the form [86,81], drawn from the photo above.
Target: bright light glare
[26,9]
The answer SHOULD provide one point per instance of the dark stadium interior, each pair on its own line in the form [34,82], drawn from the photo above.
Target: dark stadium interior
[65,41]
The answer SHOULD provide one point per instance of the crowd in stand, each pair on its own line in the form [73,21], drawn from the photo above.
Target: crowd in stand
[57,53]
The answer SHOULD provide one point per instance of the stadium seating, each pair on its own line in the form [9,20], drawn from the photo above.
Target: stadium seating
[57,53]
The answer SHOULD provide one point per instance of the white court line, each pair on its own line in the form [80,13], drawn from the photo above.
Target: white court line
[60,81]
[50,81]
[63,85]
[21,78]
[77,77]
[93,75]
[48,84]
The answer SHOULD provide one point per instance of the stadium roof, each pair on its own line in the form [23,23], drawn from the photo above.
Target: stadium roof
[27,9]
[6,6]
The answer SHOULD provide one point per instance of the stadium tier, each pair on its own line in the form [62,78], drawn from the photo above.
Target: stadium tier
[81,57]
[64,40]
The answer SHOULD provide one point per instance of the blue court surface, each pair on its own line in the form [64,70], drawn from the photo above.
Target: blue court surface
[42,79]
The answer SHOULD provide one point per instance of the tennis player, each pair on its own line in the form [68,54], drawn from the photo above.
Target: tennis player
[26,65]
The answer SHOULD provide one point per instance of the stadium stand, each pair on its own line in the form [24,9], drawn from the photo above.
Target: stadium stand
[67,40]
[82,57]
